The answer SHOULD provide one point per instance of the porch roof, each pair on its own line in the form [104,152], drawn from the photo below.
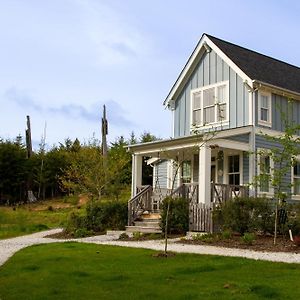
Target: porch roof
[193,141]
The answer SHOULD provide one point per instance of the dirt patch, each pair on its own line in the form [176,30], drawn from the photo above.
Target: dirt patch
[83,199]
[163,254]
[261,243]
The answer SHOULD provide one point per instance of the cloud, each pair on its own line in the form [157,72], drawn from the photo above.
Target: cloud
[115,113]
[113,39]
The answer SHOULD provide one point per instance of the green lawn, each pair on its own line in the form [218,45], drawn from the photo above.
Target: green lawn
[30,218]
[88,271]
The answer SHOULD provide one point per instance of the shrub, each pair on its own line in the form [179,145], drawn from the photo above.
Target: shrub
[178,221]
[98,218]
[248,238]
[245,215]
[207,237]
[226,234]
[137,235]
[123,236]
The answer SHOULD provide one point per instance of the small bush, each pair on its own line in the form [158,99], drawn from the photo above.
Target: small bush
[137,235]
[123,236]
[50,208]
[226,234]
[82,232]
[248,238]
[98,218]
[178,220]
[207,237]
[246,215]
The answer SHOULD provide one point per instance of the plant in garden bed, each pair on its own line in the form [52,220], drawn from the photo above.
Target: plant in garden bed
[98,218]
[178,215]
[248,238]
[245,215]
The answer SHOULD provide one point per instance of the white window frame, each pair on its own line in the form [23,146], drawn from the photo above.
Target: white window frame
[226,173]
[263,153]
[267,123]
[294,196]
[201,90]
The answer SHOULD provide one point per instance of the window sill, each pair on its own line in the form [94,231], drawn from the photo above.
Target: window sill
[264,123]
[210,125]
[266,194]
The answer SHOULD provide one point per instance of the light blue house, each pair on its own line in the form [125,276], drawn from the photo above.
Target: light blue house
[223,102]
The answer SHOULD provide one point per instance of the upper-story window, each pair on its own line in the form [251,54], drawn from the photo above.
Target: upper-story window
[265,109]
[210,104]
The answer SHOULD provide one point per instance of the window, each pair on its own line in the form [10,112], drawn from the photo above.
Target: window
[264,109]
[265,173]
[186,172]
[210,104]
[296,178]
[234,169]
[264,170]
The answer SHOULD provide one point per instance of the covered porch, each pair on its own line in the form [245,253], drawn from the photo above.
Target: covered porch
[202,171]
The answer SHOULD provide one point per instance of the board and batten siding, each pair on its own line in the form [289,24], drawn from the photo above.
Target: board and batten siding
[262,143]
[209,70]
[279,107]
[160,174]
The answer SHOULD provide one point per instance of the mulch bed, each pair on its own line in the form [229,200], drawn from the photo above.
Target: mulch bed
[262,243]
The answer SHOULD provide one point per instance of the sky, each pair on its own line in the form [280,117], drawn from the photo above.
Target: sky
[62,60]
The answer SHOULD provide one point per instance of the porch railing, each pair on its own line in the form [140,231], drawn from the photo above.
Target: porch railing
[187,191]
[139,203]
[224,192]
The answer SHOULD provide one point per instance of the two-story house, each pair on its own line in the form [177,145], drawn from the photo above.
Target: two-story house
[223,102]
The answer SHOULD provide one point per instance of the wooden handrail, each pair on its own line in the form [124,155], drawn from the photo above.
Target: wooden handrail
[139,203]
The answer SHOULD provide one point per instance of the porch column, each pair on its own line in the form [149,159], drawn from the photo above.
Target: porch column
[204,174]
[136,173]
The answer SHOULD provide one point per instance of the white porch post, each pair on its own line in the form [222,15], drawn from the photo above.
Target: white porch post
[204,174]
[136,173]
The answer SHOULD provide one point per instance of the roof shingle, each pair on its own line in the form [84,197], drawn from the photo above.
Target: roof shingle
[261,67]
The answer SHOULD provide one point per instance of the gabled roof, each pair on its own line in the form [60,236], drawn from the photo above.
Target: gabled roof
[261,67]
[251,66]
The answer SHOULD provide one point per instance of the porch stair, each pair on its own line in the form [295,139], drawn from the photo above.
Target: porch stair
[147,223]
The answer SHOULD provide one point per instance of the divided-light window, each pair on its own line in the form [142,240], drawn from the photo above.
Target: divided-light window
[264,109]
[210,104]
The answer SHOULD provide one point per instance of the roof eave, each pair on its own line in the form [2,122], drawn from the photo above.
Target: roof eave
[278,89]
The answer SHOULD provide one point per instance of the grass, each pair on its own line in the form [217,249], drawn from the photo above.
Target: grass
[35,217]
[87,271]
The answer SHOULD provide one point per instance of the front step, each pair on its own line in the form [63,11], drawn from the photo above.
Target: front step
[148,223]
[143,229]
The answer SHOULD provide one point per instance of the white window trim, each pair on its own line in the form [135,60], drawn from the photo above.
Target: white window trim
[200,90]
[294,197]
[262,122]
[265,152]
[228,153]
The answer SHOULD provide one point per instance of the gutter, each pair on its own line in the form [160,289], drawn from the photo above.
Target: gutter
[259,83]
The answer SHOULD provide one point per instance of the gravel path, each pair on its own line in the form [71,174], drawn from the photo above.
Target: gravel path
[11,246]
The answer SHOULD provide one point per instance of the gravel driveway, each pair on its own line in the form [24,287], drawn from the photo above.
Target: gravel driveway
[11,246]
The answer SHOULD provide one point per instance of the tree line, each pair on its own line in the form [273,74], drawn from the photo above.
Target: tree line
[72,167]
